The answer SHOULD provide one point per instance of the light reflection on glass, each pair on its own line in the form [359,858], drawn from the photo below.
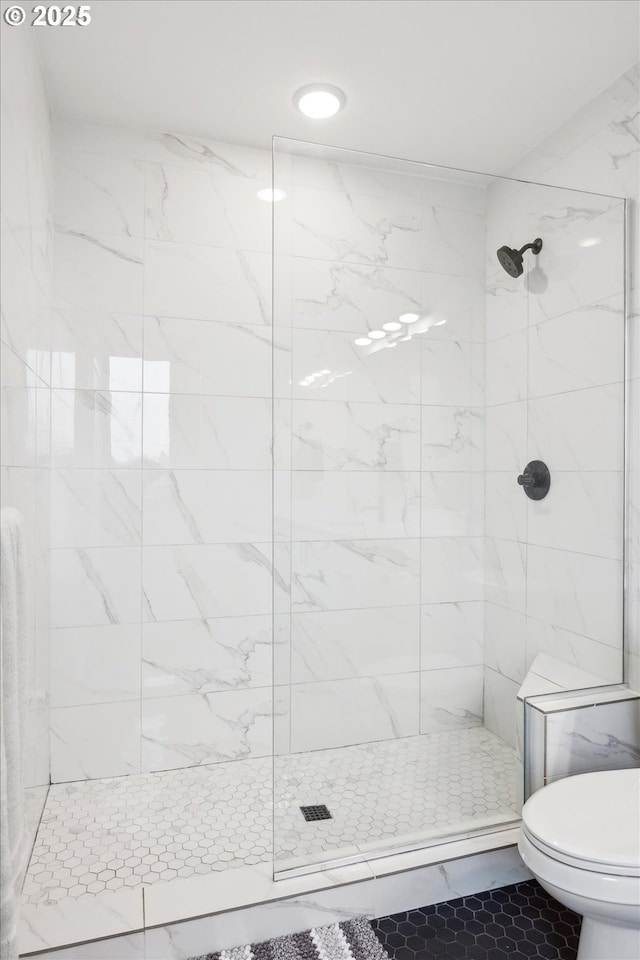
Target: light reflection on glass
[63,369]
[157,376]
[157,427]
[124,373]
[124,433]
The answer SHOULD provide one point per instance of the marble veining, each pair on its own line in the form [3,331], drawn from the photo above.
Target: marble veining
[337,435]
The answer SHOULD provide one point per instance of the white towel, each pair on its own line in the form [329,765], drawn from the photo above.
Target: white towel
[13,656]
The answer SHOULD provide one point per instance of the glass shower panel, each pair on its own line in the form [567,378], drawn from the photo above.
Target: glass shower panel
[415,583]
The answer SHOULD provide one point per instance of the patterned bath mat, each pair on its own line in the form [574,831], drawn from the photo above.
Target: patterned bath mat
[350,940]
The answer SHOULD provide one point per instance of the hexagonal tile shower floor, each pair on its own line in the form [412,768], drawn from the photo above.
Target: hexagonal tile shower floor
[100,835]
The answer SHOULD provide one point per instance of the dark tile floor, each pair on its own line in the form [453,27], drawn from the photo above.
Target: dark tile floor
[520,922]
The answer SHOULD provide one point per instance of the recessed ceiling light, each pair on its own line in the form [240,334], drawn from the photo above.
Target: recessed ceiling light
[271,196]
[377,334]
[590,242]
[438,323]
[392,325]
[319,101]
[409,317]
[362,342]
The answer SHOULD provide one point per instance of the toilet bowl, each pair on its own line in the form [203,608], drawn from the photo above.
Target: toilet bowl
[580,837]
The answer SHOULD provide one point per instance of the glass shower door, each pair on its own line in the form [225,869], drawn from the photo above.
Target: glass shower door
[414,582]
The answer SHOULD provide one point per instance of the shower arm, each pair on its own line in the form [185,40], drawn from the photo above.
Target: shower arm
[536,247]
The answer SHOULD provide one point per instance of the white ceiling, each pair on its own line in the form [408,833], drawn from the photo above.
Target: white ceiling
[471,83]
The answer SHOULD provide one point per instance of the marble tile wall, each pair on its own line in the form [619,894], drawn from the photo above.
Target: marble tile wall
[555,391]
[162,423]
[26,211]
[378,450]
[161,414]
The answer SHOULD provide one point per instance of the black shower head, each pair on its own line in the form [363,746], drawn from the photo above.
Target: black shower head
[511,260]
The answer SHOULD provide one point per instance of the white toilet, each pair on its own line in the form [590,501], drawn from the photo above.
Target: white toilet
[580,837]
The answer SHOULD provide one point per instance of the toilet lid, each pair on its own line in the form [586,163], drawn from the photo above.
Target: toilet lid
[593,817]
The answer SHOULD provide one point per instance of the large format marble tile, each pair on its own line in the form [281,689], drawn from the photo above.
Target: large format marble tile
[208,205]
[345,173]
[329,225]
[183,432]
[337,435]
[19,426]
[336,575]
[506,300]
[290,904]
[451,505]
[195,357]
[577,350]
[23,302]
[506,437]
[206,506]
[451,635]
[506,573]
[580,430]
[452,569]
[575,271]
[601,659]
[126,947]
[452,438]
[500,698]
[95,429]
[328,365]
[560,520]
[329,505]
[350,296]
[452,372]
[95,665]
[95,586]
[353,711]
[399,888]
[452,242]
[505,506]
[87,918]
[99,194]
[450,699]
[356,297]
[191,582]
[206,728]
[207,283]
[552,213]
[455,305]
[506,371]
[96,508]
[505,639]
[600,736]
[205,656]
[576,592]
[341,644]
[96,740]
[95,350]
[98,272]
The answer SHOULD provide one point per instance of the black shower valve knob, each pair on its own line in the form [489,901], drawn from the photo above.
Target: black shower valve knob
[535,480]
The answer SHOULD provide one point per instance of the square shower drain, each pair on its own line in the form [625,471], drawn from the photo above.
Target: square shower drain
[317,812]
